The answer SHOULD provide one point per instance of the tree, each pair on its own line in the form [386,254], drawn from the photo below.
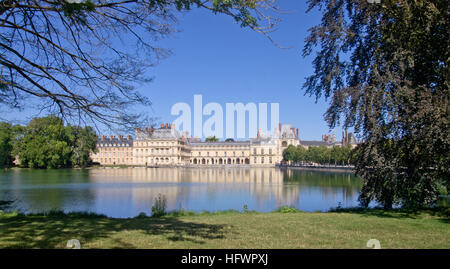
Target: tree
[211,139]
[83,141]
[47,143]
[300,154]
[6,140]
[44,144]
[385,69]
[73,58]
[289,153]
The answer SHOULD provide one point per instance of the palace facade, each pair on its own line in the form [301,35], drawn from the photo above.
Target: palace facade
[166,146]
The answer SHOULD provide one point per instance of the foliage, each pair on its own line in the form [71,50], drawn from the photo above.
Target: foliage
[6,138]
[83,141]
[44,144]
[141,215]
[245,208]
[159,207]
[288,153]
[59,53]
[385,68]
[337,155]
[211,139]
[47,143]
[287,209]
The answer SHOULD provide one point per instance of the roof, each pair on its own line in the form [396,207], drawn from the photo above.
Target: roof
[262,141]
[221,143]
[158,134]
[315,143]
[110,142]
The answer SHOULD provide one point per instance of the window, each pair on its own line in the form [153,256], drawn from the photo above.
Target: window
[270,151]
[262,151]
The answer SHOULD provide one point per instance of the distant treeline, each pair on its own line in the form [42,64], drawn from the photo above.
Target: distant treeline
[46,143]
[337,155]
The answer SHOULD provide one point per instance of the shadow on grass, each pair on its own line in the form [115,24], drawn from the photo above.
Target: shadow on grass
[52,230]
[442,212]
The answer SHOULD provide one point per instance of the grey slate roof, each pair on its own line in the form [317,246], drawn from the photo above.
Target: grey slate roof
[221,143]
[314,143]
[110,142]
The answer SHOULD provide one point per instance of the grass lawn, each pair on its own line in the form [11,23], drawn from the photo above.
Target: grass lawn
[229,230]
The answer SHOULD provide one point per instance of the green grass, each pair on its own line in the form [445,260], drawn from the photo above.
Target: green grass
[286,228]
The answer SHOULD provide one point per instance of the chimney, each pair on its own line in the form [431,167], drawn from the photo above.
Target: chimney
[120,137]
[259,133]
[162,125]
[103,137]
[279,127]
[129,137]
[112,136]
[172,126]
[151,130]
[297,132]
[167,125]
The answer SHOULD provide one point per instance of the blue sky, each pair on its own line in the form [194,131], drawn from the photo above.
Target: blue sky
[213,56]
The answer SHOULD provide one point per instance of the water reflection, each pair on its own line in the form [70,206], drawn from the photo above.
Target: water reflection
[126,192]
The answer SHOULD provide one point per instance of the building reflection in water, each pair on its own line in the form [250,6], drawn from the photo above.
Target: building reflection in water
[126,192]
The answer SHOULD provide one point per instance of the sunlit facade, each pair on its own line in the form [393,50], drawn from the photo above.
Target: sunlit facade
[166,146]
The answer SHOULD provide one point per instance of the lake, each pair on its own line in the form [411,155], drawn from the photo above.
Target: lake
[125,192]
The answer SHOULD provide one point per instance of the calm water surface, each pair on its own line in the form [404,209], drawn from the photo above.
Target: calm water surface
[125,192]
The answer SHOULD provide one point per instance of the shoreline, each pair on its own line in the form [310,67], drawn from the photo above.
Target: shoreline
[340,169]
[311,167]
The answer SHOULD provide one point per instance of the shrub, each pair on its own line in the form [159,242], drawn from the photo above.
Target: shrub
[245,208]
[142,215]
[287,209]
[159,208]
